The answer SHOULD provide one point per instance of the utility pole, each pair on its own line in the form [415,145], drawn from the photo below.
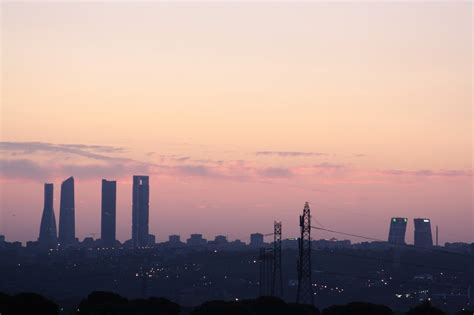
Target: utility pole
[265,274]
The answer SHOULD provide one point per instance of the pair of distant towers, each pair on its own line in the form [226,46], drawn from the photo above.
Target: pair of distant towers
[398,227]
[48,236]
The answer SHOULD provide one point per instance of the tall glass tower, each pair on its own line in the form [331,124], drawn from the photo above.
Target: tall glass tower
[140,210]
[67,232]
[423,237]
[48,237]
[108,211]
[398,228]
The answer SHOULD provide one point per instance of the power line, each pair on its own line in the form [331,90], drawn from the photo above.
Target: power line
[379,240]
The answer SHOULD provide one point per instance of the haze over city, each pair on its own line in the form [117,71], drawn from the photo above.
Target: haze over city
[239,113]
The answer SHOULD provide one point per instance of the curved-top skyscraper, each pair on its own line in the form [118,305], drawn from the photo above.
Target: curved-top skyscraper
[48,237]
[67,232]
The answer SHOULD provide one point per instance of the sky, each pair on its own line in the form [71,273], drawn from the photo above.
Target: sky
[239,113]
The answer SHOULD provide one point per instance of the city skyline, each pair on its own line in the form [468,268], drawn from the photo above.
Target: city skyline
[364,110]
[256,157]
[140,236]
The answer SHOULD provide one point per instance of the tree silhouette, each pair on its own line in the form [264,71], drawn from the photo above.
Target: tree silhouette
[424,308]
[107,303]
[221,307]
[27,303]
[156,306]
[261,306]
[358,308]
[99,302]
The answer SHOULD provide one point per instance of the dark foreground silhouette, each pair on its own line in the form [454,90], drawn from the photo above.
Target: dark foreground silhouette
[111,303]
[262,305]
[26,303]
[107,303]
[358,308]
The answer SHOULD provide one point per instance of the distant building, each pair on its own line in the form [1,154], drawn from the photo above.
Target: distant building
[108,213]
[174,239]
[15,245]
[238,243]
[128,243]
[289,243]
[220,239]
[140,211]
[32,244]
[423,236]
[398,228]
[88,242]
[459,247]
[256,240]
[67,232]
[331,244]
[196,240]
[151,240]
[48,235]
[376,245]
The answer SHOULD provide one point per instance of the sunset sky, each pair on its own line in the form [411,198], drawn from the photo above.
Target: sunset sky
[239,113]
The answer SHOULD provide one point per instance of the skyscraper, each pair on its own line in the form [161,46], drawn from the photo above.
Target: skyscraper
[67,232]
[48,236]
[398,228]
[140,210]
[423,237]
[108,212]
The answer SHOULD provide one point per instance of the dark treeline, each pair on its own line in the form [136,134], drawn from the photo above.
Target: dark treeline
[107,303]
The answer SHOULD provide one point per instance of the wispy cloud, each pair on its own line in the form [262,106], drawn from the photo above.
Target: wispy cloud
[196,170]
[328,166]
[32,170]
[289,153]
[98,148]
[95,161]
[88,151]
[110,170]
[23,169]
[41,161]
[187,159]
[182,159]
[275,172]
[427,173]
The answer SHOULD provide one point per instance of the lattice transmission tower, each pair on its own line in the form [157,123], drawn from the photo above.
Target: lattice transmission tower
[305,287]
[277,281]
